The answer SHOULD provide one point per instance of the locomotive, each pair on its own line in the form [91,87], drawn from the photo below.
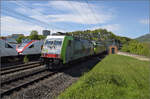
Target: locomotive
[62,49]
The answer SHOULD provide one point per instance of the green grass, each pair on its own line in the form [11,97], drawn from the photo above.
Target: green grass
[115,77]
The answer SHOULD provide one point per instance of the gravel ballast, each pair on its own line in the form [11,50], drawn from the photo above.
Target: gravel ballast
[51,87]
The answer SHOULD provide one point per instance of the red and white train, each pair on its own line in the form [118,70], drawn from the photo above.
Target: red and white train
[30,47]
[10,52]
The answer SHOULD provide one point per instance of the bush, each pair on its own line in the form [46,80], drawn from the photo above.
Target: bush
[136,47]
[19,39]
[26,59]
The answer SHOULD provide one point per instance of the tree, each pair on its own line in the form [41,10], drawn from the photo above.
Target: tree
[19,39]
[41,37]
[34,35]
[26,59]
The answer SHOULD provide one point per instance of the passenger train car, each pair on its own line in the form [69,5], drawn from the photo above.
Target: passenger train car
[59,50]
[7,51]
[30,47]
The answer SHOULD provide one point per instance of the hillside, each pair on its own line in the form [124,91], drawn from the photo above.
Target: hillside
[144,38]
[115,77]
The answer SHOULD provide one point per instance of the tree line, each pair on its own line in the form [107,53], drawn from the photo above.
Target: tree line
[33,36]
[99,35]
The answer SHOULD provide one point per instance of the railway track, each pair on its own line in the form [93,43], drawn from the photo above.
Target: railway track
[12,69]
[14,84]
[27,78]
[18,65]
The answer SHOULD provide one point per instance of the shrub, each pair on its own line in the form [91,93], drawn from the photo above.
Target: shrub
[136,47]
[26,59]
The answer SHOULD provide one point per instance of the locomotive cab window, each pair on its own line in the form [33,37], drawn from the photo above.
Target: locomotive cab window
[53,42]
[57,43]
[49,42]
[32,46]
[8,46]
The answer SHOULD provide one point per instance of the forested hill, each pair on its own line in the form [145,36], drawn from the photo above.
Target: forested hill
[99,34]
[144,38]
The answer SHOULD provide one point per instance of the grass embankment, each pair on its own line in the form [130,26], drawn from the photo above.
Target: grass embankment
[115,77]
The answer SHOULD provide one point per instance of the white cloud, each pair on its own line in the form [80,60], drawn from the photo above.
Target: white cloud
[67,11]
[145,21]
[10,25]
[76,12]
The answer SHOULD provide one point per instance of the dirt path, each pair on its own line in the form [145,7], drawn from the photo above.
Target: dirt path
[143,58]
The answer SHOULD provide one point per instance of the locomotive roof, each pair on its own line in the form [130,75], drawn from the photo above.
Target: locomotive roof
[52,36]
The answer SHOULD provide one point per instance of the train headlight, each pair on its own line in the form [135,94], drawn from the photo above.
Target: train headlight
[20,53]
[58,55]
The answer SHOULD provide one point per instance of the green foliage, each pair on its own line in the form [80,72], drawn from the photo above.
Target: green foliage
[34,35]
[99,35]
[123,40]
[115,77]
[41,37]
[19,39]
[26,59]
[136,47]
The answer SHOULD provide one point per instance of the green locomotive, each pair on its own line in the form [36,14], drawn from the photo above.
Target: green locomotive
[59,50]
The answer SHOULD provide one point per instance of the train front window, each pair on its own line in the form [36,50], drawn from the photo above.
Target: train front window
[57,43]
[54,43]
[32,46]
[49,42]
[8,46]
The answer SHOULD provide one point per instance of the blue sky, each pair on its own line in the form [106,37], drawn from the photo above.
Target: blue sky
[128,18]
